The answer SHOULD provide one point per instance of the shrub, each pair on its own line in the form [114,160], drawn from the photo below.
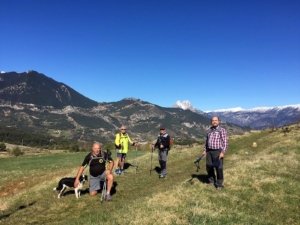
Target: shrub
[2,147]
[16,152]
[74,148]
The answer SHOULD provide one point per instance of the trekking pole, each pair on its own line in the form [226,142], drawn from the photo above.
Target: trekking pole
[103,193]
[152,149]
[104,188]
[117,161]
[136,166]
[197,162]
[134,159]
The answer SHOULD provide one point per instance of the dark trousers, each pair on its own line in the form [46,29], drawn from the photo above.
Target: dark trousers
[214,164]
[163,158]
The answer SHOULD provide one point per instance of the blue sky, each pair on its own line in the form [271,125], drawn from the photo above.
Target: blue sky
[217,54]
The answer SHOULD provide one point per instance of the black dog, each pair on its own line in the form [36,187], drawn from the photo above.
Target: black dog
[68,182]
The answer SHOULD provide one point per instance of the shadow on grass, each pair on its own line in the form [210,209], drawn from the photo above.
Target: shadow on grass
[157,169]
[113,190]
[22,207]
[72,192]
[203,178]
[86,191]
[128,165]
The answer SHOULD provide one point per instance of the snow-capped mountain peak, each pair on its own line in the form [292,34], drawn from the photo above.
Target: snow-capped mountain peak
[236,109]
[256,109]
[260,117]
[184,104]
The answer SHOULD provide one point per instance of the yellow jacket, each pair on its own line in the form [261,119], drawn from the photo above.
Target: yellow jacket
[123,140]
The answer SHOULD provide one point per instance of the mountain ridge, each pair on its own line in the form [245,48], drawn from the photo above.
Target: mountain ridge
[36,88]
[262,108]
[60,117]
[262,118]
[254,118]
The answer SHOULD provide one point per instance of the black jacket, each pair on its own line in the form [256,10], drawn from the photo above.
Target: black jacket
[163,140]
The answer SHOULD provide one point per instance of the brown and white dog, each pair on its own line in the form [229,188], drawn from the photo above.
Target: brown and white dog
[68,183]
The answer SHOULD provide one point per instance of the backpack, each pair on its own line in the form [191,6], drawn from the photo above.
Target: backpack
[171,141]
[104,155]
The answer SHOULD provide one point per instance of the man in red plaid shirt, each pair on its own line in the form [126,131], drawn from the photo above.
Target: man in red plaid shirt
[214,149]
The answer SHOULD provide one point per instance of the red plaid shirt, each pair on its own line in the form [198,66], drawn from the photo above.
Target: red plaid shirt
[216,139]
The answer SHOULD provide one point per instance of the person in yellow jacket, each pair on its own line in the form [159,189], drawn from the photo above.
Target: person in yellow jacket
[122,142]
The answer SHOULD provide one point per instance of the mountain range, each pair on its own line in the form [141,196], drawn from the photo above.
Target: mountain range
[35,88]
[33,102]
[256,118]
[261,117]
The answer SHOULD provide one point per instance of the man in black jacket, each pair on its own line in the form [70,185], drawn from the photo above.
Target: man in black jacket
[101,165]
[163,145]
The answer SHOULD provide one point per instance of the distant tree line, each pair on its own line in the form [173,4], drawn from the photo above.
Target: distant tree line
[34,139]
[189,142]
[18,137]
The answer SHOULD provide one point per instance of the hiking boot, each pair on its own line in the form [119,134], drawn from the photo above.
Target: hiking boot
[220,187]
[210,181]
[161,176]
[118,172]
[108,197]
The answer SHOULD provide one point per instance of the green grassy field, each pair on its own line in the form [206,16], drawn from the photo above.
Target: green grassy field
[262,186]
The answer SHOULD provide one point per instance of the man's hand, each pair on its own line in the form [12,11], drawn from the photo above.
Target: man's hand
[79,173]
[221,155]
[76,183]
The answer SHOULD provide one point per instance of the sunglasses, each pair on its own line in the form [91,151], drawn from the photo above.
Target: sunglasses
[123,129]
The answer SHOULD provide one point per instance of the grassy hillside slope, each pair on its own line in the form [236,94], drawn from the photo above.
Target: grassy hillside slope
[262,186]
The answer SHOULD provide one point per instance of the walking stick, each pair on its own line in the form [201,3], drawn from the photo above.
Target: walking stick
[137,165]
[197,162]
[103,193]
[104,188]
[135,160]
[152,149]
